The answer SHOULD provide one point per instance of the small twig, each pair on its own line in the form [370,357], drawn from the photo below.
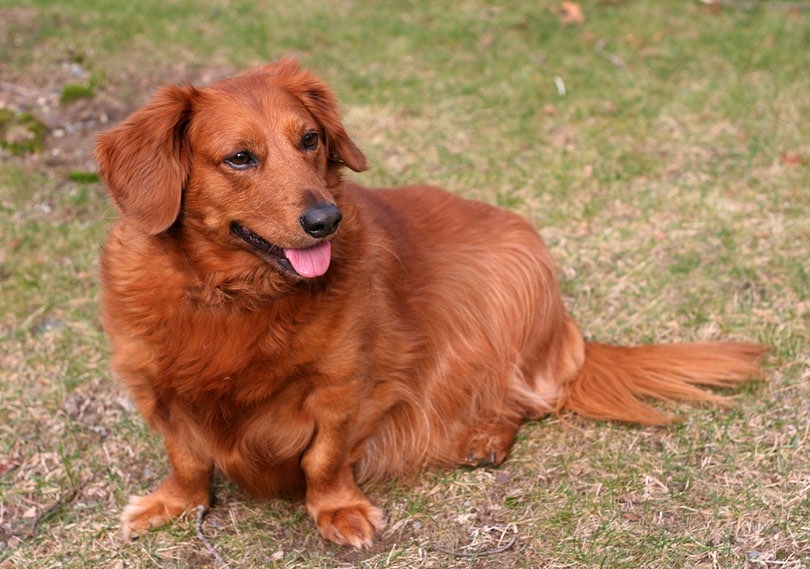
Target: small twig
[560,84]
[219,561]
[22,92]
[611,57]
[477,554]
[743,5]
[60,502]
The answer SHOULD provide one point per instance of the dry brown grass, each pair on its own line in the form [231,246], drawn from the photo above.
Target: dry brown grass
[673,191]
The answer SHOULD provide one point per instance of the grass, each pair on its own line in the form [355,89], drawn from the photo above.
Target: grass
[75,91]
[669,177]
[20,133]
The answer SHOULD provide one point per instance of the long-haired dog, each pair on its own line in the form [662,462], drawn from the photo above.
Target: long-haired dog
[304,334]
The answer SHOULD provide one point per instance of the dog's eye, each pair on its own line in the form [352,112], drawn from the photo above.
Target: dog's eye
[309,141]
[241,160]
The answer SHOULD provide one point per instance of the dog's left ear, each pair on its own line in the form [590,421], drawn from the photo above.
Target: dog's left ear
[319,100]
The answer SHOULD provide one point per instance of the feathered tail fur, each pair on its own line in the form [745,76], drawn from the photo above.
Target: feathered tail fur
[615,381]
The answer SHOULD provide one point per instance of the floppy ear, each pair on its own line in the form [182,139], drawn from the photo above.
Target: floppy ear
[145,160]
[322,103]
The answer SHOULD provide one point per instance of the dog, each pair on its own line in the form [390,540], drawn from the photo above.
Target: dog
[305,335]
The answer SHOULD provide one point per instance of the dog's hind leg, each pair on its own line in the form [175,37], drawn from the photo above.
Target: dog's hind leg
[488,443]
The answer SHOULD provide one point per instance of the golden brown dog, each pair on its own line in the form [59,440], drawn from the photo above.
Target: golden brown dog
[304,334]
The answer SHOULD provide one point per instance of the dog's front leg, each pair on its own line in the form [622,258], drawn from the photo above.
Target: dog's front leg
[342,512]
[188,486]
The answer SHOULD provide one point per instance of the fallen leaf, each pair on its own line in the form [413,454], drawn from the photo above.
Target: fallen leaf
[7,465]
[789,159]
[714,6]
[571,13]
[503,478]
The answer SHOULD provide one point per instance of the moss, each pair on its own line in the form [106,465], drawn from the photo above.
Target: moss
[21,133]
[75,91]
[82,177]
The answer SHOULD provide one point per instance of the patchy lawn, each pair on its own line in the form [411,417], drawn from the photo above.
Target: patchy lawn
[662,150]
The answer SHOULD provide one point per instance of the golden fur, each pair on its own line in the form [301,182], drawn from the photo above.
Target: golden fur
[437,329]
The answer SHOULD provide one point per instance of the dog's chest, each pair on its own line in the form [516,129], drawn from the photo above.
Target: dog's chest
[244,356]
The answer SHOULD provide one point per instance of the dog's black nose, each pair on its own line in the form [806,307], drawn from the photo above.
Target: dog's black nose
[321,219]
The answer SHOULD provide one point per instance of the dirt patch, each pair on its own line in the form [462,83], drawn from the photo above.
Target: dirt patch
[71,128]
[53,69]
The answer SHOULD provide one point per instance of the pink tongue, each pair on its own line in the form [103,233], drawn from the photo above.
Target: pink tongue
[311,262]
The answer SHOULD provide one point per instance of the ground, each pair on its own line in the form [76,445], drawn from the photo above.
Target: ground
[662,153]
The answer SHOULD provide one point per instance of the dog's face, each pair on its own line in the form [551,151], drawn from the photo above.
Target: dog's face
[247,163]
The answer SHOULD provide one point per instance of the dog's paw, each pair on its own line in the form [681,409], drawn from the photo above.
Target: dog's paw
[143,513]
[140,515]
[488,446]
[352,525]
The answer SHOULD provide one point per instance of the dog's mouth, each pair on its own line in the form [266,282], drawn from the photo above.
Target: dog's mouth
[309,262]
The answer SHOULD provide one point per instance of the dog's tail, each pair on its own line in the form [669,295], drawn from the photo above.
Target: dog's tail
[614,383]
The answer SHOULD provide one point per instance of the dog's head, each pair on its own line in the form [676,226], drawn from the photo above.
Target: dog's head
[247,162]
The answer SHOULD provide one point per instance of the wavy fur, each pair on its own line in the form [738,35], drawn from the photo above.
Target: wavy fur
[437,330]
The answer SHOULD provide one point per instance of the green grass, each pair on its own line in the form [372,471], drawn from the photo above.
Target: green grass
[75,91]
[670,180]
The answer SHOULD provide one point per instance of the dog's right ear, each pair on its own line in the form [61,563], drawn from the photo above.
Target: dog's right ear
[145,160]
